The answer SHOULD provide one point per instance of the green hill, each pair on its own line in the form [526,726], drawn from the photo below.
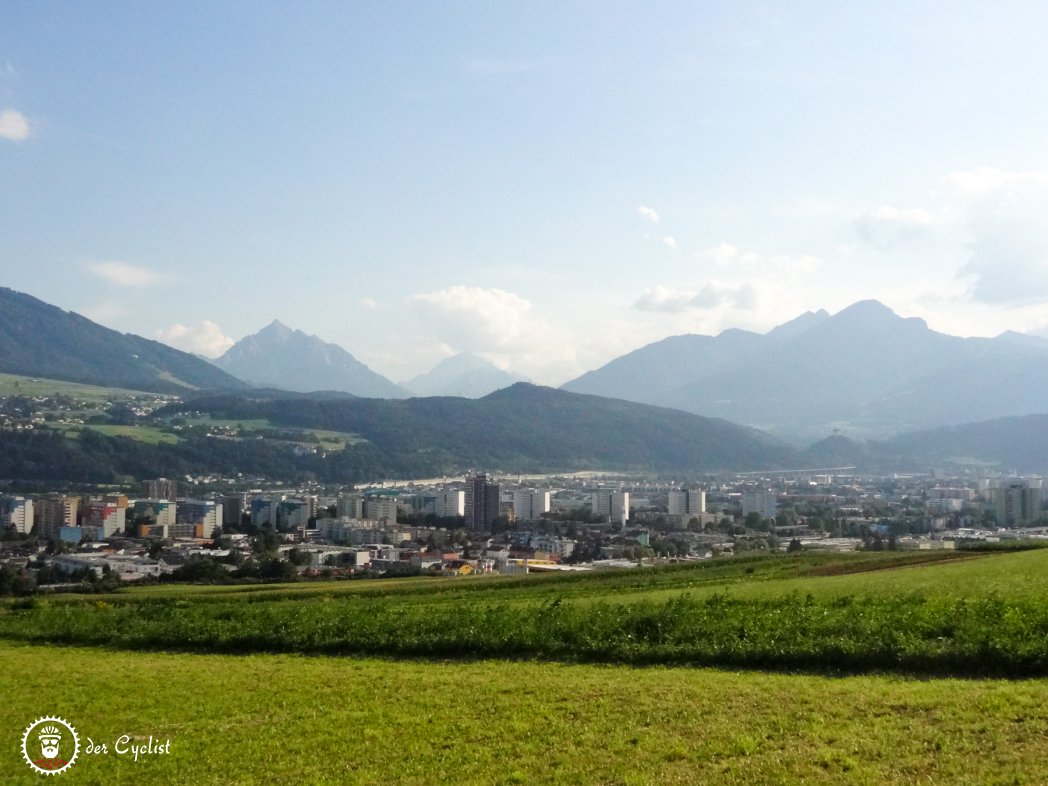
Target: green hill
[523,428]
[41,340]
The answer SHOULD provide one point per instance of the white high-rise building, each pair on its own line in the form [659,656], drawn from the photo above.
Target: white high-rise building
[762,501]
[613,504]
[350,506]
[381,509]
[16,512]
[450,503]
[529,504]
[1017,502]
[196,518]
[686,502]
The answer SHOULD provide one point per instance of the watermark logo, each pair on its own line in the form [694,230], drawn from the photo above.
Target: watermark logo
[50,745]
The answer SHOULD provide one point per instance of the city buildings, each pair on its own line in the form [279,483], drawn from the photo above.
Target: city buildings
[529,504]
[1017,502]
[481,502]
[686,502]
[762,501]
[613,504]
[16,512]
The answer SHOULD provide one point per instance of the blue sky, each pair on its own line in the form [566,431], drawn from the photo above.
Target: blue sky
[547,185]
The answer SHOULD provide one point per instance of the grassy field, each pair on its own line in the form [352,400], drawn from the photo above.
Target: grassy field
[826,613]
[14,385]
[264,719]
[487,680]
[329,440]
[148,434]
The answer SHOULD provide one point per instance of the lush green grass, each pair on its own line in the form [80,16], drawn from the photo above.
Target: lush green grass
[291,719]
[330,440]
[763,612]
[14,385]
[148,434]
[246,424]
[444,714]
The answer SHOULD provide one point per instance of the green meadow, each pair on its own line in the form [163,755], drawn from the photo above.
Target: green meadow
[869,668]
[16,385]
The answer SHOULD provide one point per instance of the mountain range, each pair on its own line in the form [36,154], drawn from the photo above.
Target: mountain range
[896,394]
[41,340]
[281,357]
[864,371]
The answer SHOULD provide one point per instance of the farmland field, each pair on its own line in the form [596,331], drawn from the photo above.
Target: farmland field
[867,668]
[262,719]
[15,385]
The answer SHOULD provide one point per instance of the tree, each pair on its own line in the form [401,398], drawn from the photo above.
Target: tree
[753,520]
[794,547]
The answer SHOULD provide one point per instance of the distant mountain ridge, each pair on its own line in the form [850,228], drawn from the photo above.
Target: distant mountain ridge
[281,357]
[464,375]
[41,340]
[864,370]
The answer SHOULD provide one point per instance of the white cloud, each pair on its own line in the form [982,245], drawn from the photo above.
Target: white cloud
[1002,214]
[503,328]
[779,266]
[13,125]
[648,214]
[369,303]
[885,227]
[664,299]
[205,339]
[125,275]
[473,318]
[670,242]
[726,255]
[987,180]
[743,296]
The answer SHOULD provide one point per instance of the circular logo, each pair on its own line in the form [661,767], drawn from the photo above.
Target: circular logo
[50,745]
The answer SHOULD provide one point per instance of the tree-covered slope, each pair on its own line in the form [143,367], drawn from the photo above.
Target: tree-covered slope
[521,428]
[41,340]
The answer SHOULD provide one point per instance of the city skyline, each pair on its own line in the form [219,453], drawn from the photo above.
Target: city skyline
[546,187]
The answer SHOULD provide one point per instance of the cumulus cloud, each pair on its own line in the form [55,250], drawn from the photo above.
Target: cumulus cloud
[1007,239]
[473,318]
[648,214]
[205,339]
[13,125]
[670,242]
[885,227]
[780,266]
[743,296]
[124,275]
[500,327]
[369,303]
[726,255]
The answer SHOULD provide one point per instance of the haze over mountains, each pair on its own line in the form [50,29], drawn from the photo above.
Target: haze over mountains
[281,357]
[901,394]
[463,375]
[864,370]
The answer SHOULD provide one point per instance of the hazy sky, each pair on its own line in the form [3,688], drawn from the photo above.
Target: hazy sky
[547,185]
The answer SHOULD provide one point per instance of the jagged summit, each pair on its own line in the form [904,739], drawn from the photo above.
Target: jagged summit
[282,357]
[864,368]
